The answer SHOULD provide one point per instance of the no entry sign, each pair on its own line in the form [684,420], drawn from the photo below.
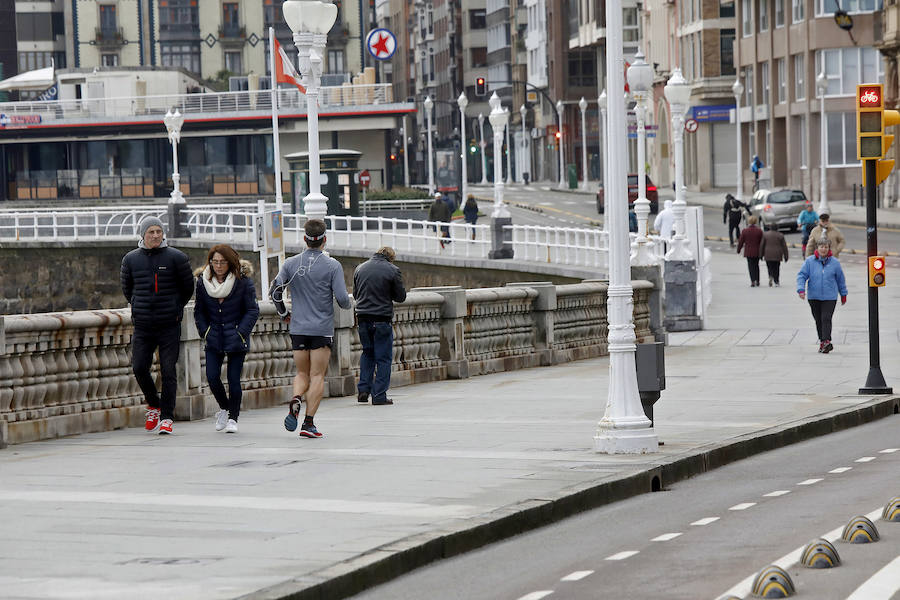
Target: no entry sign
[365,178]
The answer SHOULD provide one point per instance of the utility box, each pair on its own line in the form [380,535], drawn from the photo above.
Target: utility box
[650,361]
[339,180]
[572,176]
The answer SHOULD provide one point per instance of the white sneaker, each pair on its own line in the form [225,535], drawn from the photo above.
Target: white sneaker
[231,427]
[221,419]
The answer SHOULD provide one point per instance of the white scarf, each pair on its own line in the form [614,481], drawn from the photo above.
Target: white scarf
[212,285]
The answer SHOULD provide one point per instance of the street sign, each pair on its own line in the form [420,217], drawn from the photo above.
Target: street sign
[365,178]
[691,125]
[531,97]
[381,44]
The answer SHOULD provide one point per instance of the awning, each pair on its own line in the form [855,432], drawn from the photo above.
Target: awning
[36,81]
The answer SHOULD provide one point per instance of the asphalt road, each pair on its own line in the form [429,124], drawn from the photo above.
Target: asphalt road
[703,537]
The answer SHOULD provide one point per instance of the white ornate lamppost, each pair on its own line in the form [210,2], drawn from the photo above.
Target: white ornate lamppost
[559,114]
[482,144]
[582,104]
[737,89]
[174,121]
[526,156]
[429,104]
[604,151]
[509,178]
[678,93]
[310,21]
[405,155]
[821,88]
[640,78]
[463,102]
[499,117]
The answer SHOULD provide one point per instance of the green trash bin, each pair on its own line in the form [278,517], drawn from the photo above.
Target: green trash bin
[572,176]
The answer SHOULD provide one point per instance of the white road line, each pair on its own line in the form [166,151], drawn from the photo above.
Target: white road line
[888,450]
[865,459]
[536,595]
[776,493]
[810,481]
[840,470]
[577,575]
[665,537]
[705,521]
[742,506]
[622,555]
[880,586]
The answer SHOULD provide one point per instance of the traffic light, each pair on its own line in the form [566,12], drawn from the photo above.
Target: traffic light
[872,143]
[877,266]
[480,87]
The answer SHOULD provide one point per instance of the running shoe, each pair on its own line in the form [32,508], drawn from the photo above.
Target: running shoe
[221,419]
[152,422]
[290,421]
[309,431]
[165,426]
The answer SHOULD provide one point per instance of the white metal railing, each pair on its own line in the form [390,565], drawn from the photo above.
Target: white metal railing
[560,245]
[199,104]
[88,223]
[396,204]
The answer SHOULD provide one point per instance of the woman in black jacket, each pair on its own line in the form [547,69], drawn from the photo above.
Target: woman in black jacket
[226,311]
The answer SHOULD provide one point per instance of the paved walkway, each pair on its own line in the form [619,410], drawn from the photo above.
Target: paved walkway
[208,515]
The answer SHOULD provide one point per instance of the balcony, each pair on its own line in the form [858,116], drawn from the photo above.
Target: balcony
[232,32]
[109,37]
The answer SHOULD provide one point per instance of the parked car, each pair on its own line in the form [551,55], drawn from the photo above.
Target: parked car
[778,207]
[652,194]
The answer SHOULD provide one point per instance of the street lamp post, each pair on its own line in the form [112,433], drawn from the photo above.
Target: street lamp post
[500,216]
[559,113]
[582,104]
[678,93]
[526,156]
[463,102]
[509,178]
[640,78]
[405,155]
[429,104]
[822,87]
[738,90]
[310,21]
[482,145]
[604,151]
[173,122]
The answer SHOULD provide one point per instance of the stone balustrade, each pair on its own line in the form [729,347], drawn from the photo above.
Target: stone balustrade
[68,373]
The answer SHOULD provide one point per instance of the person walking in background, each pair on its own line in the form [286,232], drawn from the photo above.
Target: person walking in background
[755,165]
[632,221]
[732,215]
[377,284]
[440,212]
[806,220]
[665,221]
[773,249]
[470,212]
[820,281]
[225,311]
[313,278]
[157,282]
[750,240]
[825,229]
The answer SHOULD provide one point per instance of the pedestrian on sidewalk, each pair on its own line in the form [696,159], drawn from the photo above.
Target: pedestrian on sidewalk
[773,249]
[750,240]
[821,281]
[440,213]
[157,282]
[665,221]
[825,229]
[807,220]
[470,212]
[313,278]
[377,284]
[732,215]
[225,311]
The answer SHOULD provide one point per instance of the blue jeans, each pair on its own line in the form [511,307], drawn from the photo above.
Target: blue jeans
[377,339]
[232,401]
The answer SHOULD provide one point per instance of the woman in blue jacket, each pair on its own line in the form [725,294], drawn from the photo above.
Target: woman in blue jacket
[821,281]
[225,311]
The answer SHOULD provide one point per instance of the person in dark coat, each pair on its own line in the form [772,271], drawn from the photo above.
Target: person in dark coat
[377,284]
[732,214]
[157,282]
[750,241]
[773,249]
[470,212]
[225,312]
[440,212]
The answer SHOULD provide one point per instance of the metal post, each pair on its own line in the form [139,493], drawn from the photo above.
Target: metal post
[822,87]
[309,48]
[875,383]
[509,177]
[582,104]
[559,114]
[526,156]
[428,106]
[642,249]
[405,155]
[738,89]
[482,145]
[604,150]
[462,101]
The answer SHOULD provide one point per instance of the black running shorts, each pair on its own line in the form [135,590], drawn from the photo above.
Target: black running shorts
[311,342]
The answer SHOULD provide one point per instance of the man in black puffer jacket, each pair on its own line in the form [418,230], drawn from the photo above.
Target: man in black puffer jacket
[158,283]
[377,284]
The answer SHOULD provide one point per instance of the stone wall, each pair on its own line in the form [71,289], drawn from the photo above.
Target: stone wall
[68,373]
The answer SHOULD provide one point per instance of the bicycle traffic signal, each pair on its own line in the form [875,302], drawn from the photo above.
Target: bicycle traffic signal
[872,143]
[480,87]
[877,266]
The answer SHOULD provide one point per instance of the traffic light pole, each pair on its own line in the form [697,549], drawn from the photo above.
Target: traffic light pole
[875,383]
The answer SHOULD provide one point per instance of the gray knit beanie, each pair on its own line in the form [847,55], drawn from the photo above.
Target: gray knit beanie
[148,222]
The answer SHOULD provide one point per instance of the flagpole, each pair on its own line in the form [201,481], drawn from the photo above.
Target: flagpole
[276,147]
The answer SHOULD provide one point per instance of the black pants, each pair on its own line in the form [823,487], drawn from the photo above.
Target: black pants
[144,343]
[734,229]
[753,267]
[822,310]
[232,401]
[774,268]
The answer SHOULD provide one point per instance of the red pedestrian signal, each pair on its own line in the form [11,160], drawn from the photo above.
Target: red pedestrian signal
[480,87]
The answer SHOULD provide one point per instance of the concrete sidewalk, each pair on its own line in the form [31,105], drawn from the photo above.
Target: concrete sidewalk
[451,466]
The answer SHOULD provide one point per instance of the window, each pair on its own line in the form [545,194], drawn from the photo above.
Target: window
[271,13]
[630,31]
[29,61]
[34,27]
[108,17]
[726,51]
[479,57]
[763,15]
[841,138]
[845,68]
[746,19]
[335,61]
[477,19]
[764,82]
[582,68]
[178,15]
[801,136]
[109,60]
[180,54]
[748,86]
[828,7]
[431,64]
[799,78]
[781,81]
[779,13]
[229,13]
[726,9]
[797,11]
[233,62]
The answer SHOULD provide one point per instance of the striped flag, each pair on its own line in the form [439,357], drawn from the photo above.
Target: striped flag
[284,68]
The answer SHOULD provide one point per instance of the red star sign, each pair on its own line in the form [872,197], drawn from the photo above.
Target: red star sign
[381,45]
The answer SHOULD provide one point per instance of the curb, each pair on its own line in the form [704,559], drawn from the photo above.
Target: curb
[397,558]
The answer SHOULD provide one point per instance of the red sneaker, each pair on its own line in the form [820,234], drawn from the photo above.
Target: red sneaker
[152,422]
[165,426]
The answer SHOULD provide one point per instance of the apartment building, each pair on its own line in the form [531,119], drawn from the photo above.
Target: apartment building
[40,35]
[8,44]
